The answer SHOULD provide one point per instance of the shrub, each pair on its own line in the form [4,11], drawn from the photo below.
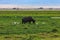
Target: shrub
[54,30]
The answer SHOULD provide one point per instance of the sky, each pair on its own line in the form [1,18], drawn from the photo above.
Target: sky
[31,2]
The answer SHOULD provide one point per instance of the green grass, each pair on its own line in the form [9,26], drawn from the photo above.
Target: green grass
[29,13]
[44,24]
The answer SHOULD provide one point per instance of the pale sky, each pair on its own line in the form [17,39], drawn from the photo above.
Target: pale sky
[29,3]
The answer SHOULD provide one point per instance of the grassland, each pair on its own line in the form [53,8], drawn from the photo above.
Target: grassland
[11,27]
[29,13]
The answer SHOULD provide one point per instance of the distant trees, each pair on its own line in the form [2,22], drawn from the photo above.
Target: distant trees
[50,8]
[41,8]
[15,8]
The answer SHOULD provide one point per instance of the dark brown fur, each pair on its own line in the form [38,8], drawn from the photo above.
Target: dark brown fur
[27,19]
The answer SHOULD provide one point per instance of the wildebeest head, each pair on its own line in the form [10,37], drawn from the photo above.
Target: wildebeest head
[28,19]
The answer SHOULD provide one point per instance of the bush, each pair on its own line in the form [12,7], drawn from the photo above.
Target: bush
[54,30]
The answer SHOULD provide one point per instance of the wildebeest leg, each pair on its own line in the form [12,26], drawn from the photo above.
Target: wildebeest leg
[30,22]
[23,22]
[33,21]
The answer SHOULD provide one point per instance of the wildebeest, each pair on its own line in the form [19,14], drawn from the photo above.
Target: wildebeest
[27,19]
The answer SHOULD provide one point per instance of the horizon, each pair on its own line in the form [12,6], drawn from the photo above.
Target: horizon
[25,6]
